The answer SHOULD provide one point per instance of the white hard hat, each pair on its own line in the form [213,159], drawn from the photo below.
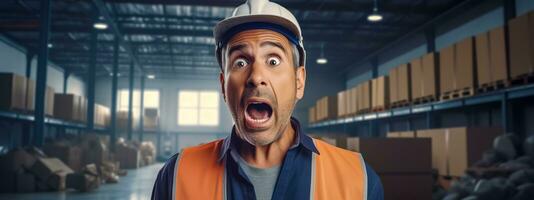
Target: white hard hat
[260,12]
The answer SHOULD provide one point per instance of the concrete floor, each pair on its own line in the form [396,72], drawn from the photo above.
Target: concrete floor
[137,185]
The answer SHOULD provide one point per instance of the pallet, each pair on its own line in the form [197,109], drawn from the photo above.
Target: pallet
[493,86]
[455,94]
[522,80]
[378,109]
[423,100]
[398,104]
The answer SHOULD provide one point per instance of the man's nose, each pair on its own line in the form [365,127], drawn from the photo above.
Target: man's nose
[257,76]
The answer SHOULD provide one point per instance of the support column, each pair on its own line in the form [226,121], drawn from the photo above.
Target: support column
[91,73]
[130,101]
[66,75]
[141,108]
[42,64]
[113,125]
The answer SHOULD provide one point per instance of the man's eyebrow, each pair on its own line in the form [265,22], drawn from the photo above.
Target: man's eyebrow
[238,47]
[275,44]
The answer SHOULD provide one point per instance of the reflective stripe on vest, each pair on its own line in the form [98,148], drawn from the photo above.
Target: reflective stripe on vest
[336,173]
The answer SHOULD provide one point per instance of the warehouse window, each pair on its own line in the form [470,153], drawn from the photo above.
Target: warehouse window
[198,108]
[151,100]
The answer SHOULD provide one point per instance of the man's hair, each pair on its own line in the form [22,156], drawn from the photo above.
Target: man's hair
[294,52]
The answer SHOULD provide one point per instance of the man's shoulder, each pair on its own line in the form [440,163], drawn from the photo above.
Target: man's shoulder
[329,149]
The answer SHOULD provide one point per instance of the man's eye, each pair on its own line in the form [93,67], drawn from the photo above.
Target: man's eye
[273,61]
[240,63]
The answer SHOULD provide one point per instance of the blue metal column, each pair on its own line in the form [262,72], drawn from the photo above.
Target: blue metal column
[141,108]
[130,101]
[42,64]
[113,126]
[66,75]
[29,57]
[91,72]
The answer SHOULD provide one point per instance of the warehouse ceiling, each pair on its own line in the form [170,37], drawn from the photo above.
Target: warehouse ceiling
[174,37]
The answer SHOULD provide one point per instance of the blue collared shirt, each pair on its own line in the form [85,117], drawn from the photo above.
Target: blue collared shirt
[293,181]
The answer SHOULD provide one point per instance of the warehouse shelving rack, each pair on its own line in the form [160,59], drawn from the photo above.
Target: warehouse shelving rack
[504,97]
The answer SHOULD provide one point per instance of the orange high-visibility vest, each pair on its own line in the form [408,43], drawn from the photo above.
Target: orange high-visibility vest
[336,173]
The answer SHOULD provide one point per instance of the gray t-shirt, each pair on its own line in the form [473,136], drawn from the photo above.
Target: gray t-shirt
[263,179]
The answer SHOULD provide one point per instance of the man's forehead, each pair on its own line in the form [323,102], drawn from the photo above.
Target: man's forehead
[257,36]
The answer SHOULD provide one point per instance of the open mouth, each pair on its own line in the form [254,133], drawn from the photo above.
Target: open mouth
[257,114]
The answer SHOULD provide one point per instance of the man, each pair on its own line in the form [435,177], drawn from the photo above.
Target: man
[267,156]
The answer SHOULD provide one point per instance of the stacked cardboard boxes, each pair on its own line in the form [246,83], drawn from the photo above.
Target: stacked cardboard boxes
[352,101]
[151,119]
[13,92]
[399,84]
[521,46]
[380,93]
[424,77]
[457,66]
[101,115]
[66,152]
[363,95]
[326,108]
[455,149]
[396,168]
[311,115]
[491,57]
[66,106]
[122,120]
[49,101]
[342,104]
[401,134]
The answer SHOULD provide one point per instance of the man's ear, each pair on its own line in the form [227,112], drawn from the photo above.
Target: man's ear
[301,81]
[221,80]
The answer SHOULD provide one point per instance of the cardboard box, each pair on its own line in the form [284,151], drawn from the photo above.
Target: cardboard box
[521,45]
[151,112]
[69,154]
[491,56]
[128,156]
[30,95]
[401,134]
[464,70]
[45,168]
[380,92]
[467,145]
[439,151]
[101,115]
[384,155]
[447,62]
[66,106]
[400,186]
[311,115]
[94,149]
[150,123]
[353,101]
[364,96]
[12,91]
[417,80]
[49,101]
[430,75]
[393,85]
[16,160]
[341,104]
[404,81]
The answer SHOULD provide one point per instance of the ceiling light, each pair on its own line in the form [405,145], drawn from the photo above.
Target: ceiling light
[100,26]
[50,45]
[375,16]
[322,60]
[151,76]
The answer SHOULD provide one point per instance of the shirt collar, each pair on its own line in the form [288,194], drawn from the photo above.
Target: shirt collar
[302,139]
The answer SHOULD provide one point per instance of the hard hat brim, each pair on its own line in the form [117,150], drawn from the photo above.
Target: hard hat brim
[223,26]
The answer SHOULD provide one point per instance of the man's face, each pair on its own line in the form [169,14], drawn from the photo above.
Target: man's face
[260,84]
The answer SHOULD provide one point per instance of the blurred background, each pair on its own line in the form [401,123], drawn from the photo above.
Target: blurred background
[436,94]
